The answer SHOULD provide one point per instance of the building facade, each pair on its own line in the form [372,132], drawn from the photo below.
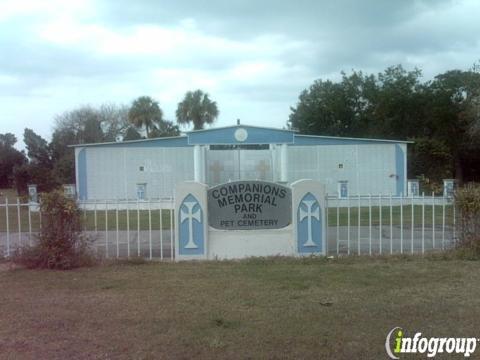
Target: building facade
[149,169]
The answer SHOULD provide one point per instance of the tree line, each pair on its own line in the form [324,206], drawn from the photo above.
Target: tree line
[441,116]
[50,164]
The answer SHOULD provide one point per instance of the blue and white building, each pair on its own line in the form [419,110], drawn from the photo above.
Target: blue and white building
[150,168]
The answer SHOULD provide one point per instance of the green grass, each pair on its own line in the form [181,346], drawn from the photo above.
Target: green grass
[259,309]
[108,219]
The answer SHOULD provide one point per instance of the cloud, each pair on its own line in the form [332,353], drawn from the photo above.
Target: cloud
[253,57]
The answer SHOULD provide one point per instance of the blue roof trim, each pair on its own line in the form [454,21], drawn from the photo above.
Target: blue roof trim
[177,141]
[332,140]
[226,136]
[256,135]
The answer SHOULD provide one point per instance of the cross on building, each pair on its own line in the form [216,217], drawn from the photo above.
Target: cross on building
[309,214]
[215,169]
[263,167]
[189,216]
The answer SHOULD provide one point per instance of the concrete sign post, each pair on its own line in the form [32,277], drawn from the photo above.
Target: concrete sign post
[32,193]
[309,217]
[191,214]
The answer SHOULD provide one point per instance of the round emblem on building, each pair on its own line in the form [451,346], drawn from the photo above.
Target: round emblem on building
[241,134]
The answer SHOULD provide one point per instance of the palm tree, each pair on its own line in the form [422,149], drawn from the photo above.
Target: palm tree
[197,108]
[145,112]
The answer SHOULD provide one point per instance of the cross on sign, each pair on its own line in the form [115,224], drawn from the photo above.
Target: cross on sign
[189,215]
[309,214]
[262,168]
[216,168]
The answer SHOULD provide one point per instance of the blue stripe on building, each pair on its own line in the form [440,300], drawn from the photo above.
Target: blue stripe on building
[400,169]
[82,174]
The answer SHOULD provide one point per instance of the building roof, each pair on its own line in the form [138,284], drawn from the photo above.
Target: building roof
[242,134]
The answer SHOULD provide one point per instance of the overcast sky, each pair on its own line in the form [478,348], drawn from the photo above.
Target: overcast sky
[252,57]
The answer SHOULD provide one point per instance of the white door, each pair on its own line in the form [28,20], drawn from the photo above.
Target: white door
[238,164]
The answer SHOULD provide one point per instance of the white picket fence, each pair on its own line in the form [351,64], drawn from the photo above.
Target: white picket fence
[116,228]
[363,225]
[387,224]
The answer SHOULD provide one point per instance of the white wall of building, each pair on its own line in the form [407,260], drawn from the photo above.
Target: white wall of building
[368,168]
[114,172]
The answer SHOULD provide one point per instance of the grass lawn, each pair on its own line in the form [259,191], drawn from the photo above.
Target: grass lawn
[276,308]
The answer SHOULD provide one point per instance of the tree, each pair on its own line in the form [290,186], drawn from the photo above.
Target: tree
[88,124]
[9,159]
[164,129]
[39,170]
[85,124]
[145,113]
[452,116]
[114,121]
[197,108]
[441,116]
[38,150]
[132,134]
[388,105]
[63,156]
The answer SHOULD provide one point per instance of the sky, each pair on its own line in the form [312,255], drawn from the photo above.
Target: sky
[252,57]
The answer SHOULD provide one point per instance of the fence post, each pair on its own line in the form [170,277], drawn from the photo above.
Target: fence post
[443,223]
[358,225]
[106,229]
[338,226]
[128,228]
[161,231]
[423,223]
[8,226]
[401,223]
[380,235]
[138,228]
[95,215]
[433,220]
[39,213]
[19,222]
[326,224]
[84,215]
[370,223]
[454,223]
[172,234]
[348,225]
[116,223]
[150,228]
[413,227]
[391,225]
[29,224]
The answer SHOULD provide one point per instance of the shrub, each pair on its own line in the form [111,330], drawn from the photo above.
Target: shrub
[60,243]
[467,201]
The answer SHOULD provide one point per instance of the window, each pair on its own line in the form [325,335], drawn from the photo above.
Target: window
[141,168]
[343,189]
[241,147]
[340,166]
[141,191]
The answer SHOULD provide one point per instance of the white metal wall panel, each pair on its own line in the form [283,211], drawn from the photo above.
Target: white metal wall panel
[367,168]
[113,173]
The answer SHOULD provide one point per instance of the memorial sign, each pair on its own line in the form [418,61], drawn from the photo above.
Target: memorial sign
[249,205]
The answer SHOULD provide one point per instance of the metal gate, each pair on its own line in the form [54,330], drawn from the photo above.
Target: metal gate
[224,165]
